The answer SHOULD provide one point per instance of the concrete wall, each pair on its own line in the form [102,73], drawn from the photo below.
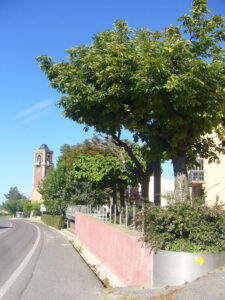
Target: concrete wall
[176,268]
[119,250]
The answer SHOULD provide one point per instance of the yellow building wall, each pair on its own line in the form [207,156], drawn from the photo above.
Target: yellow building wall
[214,174]
[36,197]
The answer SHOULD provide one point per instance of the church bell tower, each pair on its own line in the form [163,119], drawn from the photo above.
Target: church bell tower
[43,159]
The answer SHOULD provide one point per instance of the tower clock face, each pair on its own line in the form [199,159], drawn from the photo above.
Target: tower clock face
[38,170]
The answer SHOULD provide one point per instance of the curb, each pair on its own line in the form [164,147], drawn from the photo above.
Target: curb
[108,279]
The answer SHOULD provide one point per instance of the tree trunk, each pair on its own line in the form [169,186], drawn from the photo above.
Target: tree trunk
[181,191]
[157,182]
[122,198]
[145,188]
[114,194]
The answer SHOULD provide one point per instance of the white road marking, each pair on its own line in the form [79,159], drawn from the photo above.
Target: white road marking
[21,267]
[4,230]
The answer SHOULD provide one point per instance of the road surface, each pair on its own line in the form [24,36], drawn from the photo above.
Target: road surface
[38,263]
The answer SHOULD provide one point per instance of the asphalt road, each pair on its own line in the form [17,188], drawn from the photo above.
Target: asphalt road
[38,263]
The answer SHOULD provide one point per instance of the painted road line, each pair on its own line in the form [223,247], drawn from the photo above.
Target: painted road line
[21,267]
[4,230]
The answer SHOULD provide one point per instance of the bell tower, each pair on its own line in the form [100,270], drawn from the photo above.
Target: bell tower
[43,159]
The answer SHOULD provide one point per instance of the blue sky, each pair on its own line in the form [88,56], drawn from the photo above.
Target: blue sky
[28,117]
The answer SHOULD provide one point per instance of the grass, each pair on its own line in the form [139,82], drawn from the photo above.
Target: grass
[168,296]
[126,298]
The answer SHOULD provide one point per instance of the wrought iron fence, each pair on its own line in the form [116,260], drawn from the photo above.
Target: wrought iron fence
[125,216]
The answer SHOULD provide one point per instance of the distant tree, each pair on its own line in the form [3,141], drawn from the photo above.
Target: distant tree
[15,200]
[14,194]
[27,206]
[13,206]
[52,189]
[35,206]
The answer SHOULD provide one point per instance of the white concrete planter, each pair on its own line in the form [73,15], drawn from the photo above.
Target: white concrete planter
[175,268]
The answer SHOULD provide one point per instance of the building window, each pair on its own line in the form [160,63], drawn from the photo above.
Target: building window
[197,172]
[48,159]
[39,159]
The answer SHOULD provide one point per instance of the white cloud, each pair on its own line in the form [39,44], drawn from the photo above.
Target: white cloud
[35,116]
[34,112]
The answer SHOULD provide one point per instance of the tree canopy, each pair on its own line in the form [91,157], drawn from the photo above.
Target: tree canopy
[166,87]
[89,146]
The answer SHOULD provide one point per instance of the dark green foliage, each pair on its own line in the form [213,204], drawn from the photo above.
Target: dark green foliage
[183,227]
[57,222]
[14,194]
[83,193]
[52,190]
[13,206]
[15,200]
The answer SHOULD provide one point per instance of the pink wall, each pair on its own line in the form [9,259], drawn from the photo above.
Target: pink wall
[119,251]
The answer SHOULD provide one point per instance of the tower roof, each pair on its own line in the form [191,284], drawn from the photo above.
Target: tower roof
[44,146]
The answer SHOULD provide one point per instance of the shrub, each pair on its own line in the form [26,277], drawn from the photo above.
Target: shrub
[55,221]
[27,206]
[36,208]
[183,227]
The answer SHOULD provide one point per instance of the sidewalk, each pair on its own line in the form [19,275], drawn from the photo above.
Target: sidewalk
[208,287]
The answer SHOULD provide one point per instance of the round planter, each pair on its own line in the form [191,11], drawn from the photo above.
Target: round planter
[175,268]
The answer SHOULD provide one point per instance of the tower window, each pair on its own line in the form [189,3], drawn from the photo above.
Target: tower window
[39,159]
[48,158]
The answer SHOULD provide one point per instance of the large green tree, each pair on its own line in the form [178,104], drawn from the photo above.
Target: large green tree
[166,87]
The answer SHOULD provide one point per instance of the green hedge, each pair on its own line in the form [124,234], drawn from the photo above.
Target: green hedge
[186,228]
[55,221]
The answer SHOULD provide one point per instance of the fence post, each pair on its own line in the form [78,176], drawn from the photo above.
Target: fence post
[115,214]
[120,217]
[126,216]
[110,213]
[143,223]
[134,213]
[99,212]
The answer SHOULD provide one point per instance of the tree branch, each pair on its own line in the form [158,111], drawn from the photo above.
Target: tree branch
[139,171]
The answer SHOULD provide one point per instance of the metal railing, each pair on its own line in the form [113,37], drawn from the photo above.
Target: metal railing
[124,216]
